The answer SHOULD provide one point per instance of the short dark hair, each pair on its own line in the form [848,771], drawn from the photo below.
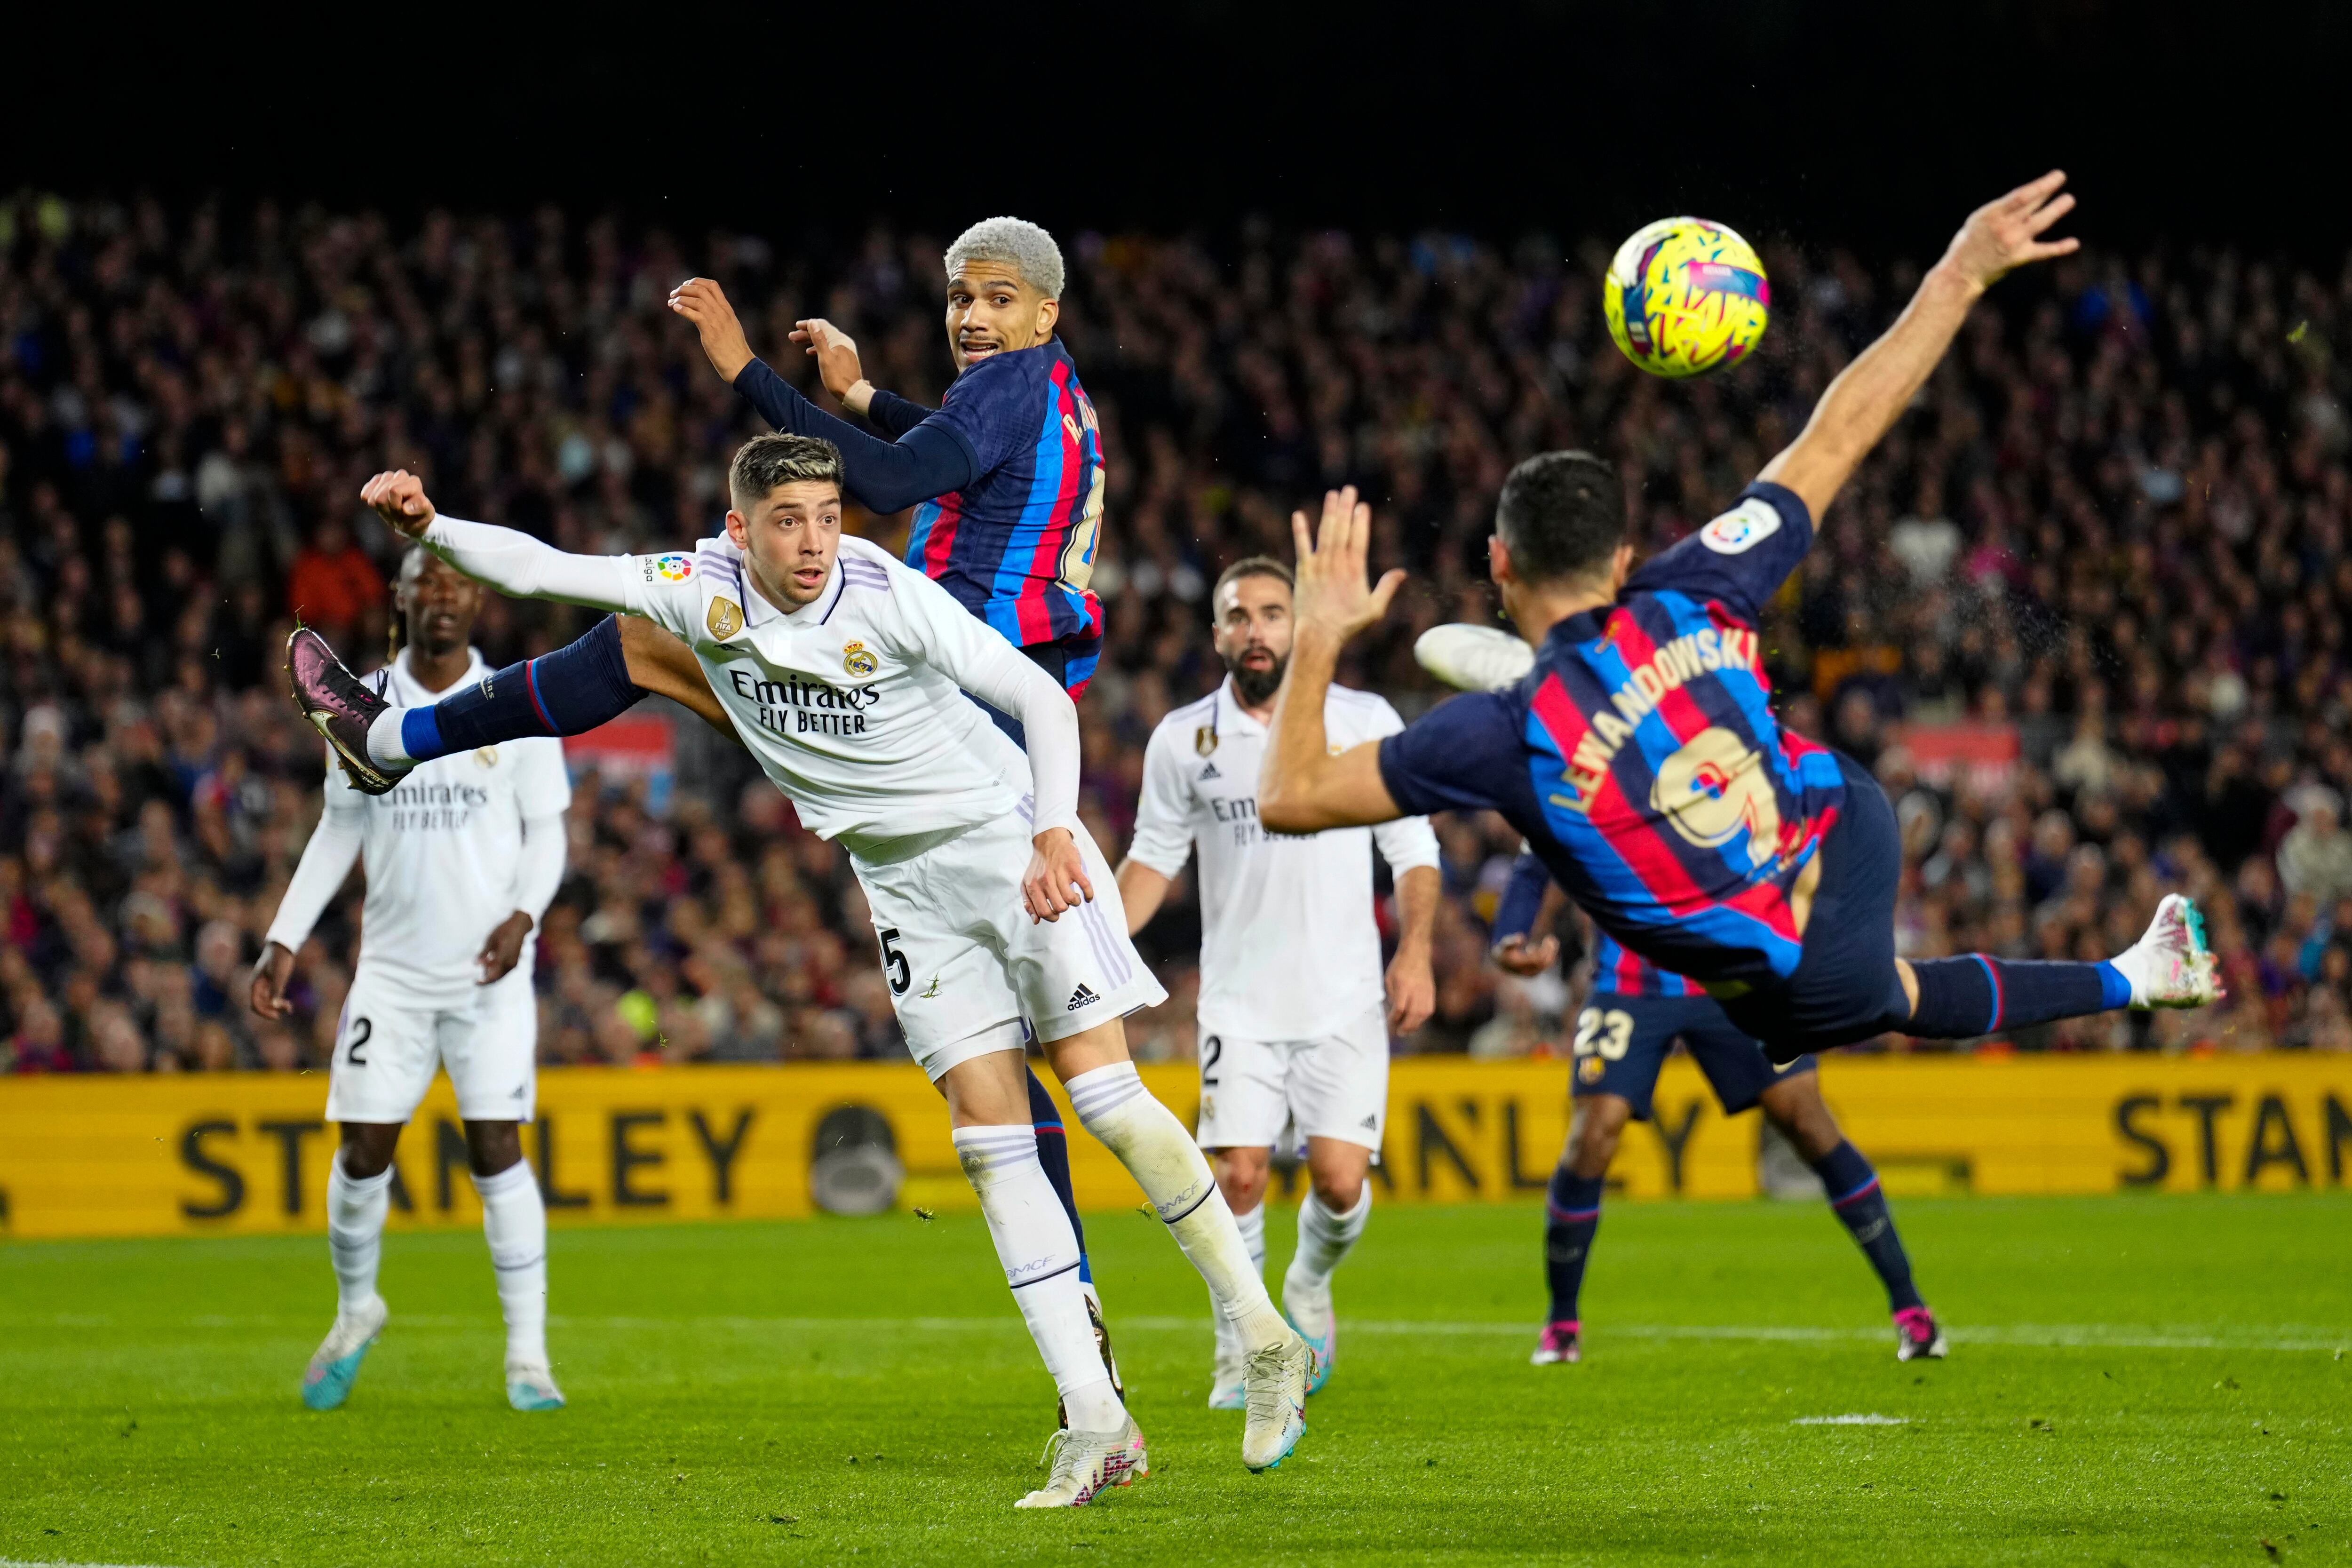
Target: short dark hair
[1561,515]
[766,462]
[1249,567]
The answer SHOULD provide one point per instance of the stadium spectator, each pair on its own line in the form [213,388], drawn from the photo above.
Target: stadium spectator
[2084,613]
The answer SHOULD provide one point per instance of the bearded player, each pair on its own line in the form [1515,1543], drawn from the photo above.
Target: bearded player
[462,860]
[1294,1022]
[1007,481]
[1640,758]
[845,672]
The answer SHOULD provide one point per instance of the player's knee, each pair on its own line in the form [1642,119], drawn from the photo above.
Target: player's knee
[493,1146]
[368,1148]
[1338,1191]
[1597,1123]
[1241,1176]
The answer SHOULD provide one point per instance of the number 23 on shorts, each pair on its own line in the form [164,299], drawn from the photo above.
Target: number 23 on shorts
[1606,1034]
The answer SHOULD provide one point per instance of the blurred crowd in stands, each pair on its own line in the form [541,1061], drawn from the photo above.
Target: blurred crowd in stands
[2083,612]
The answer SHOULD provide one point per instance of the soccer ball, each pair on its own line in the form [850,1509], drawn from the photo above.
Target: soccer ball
[1684,295]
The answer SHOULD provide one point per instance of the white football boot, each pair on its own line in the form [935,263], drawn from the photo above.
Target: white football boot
[1083,1463]
[335,1364]
[1311,1313]
[1474,659]
[2171,966]
[532,1388]
[1275,1379]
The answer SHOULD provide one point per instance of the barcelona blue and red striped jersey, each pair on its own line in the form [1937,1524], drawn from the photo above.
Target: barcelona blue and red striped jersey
[1618,972]
[1641,759]
[1017,545]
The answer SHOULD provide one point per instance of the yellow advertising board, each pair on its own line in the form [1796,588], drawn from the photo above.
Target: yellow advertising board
[247,1152]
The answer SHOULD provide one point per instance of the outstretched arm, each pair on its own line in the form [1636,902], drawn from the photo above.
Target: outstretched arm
[926,461]
[1870,393]
[1303,787]
[514,563]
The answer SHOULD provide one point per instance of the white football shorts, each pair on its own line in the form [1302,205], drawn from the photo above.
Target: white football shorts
[388,1044]
[966,964]
[1276,1094]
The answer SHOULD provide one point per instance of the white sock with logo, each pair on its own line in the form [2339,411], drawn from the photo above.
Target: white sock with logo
[1168,1165]
[1040,1254]
[1252,1229]
[1324,1238]
[514,1220]
[384,739]
[355,1210]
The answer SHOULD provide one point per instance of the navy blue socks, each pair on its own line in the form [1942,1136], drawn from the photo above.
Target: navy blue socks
[1856,1198]
[1572,1214]
[1973,994]
[567,692]
[1054,1153]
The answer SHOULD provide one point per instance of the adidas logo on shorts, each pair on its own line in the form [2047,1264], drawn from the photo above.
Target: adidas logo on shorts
[1371,1124]
[1083,996]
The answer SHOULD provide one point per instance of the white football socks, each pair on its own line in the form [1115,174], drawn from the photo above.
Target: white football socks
[384,739]
[1324,1238]
[355,1211]
[1168,1165]
[514,1220]
[1040,1254]
[1252,1229]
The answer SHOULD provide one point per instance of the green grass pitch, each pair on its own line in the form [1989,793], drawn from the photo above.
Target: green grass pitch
[2138,1381]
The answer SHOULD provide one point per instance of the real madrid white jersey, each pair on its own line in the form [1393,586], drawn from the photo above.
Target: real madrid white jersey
[1288,947]
[441,853]
[853,702]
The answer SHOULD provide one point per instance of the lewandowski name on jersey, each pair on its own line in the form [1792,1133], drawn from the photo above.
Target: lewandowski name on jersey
[1642,757]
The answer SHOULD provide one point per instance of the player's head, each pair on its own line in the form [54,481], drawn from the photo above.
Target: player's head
[1251,606]
[786,491]
[1560,524]
[436,603]
[1004,289]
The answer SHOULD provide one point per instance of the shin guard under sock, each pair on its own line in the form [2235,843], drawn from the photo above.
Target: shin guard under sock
[1053,1154]
[1858,1201]
[1572,1214]
[1975,994]
[568,692]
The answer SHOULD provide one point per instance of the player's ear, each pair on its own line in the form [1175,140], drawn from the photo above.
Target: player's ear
[1621,566]
[1049,313]
[735,529]
[1498,558]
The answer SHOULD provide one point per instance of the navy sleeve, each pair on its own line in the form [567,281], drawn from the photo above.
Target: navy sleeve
[990,410]
[885,477]
[1741,558]
[1460,755]
[1522,900]
[894,414]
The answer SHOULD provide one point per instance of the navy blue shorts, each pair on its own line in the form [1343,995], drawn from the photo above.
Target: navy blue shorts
[1621,1042]
[1844,988]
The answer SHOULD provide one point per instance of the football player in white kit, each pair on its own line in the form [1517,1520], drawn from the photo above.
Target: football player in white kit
[1293,1019]
[461,861]
[840,669]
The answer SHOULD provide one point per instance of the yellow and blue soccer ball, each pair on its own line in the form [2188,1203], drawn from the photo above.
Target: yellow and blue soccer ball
[1684,295]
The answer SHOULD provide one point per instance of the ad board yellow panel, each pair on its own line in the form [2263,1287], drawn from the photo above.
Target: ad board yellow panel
[247,1152]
